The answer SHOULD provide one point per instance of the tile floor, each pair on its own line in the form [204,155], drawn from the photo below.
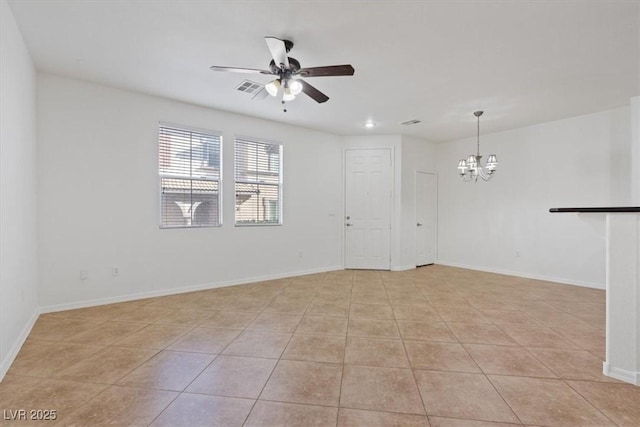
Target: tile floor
[433,346]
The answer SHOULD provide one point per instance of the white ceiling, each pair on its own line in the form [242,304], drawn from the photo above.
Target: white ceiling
[523,62]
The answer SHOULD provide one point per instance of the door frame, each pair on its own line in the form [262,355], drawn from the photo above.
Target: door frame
[415,212]
[392,208]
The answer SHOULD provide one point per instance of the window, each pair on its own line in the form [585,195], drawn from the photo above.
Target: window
[258,183]
[189,177]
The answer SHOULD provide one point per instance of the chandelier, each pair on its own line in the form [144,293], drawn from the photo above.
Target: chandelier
[471,169]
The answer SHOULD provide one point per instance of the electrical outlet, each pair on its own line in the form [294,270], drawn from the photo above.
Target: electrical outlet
[84,274]
[517,254]
[115,271]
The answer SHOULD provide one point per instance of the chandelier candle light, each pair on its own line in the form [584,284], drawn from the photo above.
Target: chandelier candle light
[471,169]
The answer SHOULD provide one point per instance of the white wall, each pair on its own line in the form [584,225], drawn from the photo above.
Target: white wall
[417,155]
[573,162]
[99,200]
[18,190]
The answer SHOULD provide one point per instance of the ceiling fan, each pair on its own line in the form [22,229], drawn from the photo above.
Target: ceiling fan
[289,72]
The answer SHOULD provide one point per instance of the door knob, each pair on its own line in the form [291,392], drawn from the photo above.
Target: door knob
[419,225]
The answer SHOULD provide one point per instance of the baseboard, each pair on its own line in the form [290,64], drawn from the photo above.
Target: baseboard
[403,268]
[17,345]
[185,289]
[621,374]
[525,275]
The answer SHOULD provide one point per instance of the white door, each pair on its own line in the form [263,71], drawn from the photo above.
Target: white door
[426,218]
[368,209]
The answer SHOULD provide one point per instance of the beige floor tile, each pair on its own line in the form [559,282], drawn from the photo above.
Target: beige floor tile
[369,297]
[143,315]
[46,358]
[185,317]
[234,376]
[100,312]
[376,352]
[177,301]
[152,336]
[17,392]
[288,305]
[56,329]
[107,365]
[122,406]
[371,311]
[380,389]
[373,328]
[304,382]
[258,344]
[572,364]
[461,313]
[492,315]
[504,360]
[480,333]
[537,336]
[359,418]
[547,402]
[456,422]
[591,339]
[507,317]
[195,410]
[419,313]
[320,325]
[205,340]
[329,308]
[425,331]
[276,322]
[315,348]
[462,395]
[168,370]
[229,319]
[406,298]
[278,414]
[619,402]
[106,333]
[440,356]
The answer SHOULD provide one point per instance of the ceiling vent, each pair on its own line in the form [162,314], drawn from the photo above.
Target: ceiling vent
[410,122]
[249,87]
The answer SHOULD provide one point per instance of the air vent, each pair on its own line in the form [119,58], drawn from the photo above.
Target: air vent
[249,87]
[411,122]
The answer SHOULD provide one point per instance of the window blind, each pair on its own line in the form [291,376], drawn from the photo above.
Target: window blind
[258,182]
[189,166]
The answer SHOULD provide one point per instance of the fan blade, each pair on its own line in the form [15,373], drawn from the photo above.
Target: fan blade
[240,70]
[314,93]
[330,70]
[278,51]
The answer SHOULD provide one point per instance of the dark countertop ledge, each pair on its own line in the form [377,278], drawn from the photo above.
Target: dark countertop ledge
[608,209]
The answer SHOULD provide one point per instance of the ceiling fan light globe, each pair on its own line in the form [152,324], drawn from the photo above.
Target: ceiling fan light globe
[273,87]
[287,95]
[295,86]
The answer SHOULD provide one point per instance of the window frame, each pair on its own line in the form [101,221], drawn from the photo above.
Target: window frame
[280,184]
[220,209]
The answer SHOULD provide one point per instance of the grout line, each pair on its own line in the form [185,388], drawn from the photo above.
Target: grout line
[344,353]
[280,357]
[503,399]
[406,354]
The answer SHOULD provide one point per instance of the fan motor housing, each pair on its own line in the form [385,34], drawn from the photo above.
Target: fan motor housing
[294,66]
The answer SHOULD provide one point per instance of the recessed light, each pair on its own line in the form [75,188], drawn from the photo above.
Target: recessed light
[369,124]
